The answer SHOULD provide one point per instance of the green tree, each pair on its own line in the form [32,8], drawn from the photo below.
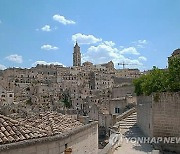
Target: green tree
[160,80]
[138,85]
[155,81]
[29,101]
[174,74]
[67,100]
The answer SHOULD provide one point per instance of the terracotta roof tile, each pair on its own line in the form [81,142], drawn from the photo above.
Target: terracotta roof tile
[53,123]
[45,124]
[13,131]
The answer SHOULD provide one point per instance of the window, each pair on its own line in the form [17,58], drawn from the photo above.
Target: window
[117,110]
[10,95]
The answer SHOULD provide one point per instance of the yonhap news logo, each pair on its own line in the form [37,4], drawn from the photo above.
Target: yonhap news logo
[117,138]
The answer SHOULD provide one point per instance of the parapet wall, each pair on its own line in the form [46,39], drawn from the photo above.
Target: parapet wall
[81,140]
[144,114]
[166,114]
[158,115]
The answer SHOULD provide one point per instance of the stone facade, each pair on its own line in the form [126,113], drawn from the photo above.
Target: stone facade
[76,56]
[159,115]
[123,90]
[144,114]
[176,53]
[128,73]
[6,97]
[92,90]
[117,105]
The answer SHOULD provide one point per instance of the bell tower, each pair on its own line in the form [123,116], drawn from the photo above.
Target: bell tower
[76,55]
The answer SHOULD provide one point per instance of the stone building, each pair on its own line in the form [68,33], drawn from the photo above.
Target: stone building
[128,73]
[176,53]
[123,90]
[46,134]
[76,56]
[91,89]
[117,105]
[6,97]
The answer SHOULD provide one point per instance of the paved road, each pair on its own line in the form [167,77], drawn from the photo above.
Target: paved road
[133,147]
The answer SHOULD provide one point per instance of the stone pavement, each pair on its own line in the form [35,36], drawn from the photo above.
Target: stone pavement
[130,133]
[129,145]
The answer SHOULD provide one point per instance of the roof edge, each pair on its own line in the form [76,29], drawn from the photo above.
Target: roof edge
[30,142]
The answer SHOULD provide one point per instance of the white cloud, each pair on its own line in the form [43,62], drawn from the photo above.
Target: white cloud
[140,46]
[63,20]
[46,63]
[85,39]
[142,41]
[15,58]
[49,47]
[142,58]
[2,67]
[46,28]
[130,50]
[109,43]
[105,52]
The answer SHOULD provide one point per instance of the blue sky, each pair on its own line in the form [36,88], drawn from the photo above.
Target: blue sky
[139,32]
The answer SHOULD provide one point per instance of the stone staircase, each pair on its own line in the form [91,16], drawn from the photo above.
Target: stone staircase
[128,122]
[128,125]
[128,128]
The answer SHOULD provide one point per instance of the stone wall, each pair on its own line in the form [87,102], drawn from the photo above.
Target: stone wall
[118,92]
[82,140]
[159,116]
[125,114]
[117,103]
[166,114]
[144,114]
[122,80]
